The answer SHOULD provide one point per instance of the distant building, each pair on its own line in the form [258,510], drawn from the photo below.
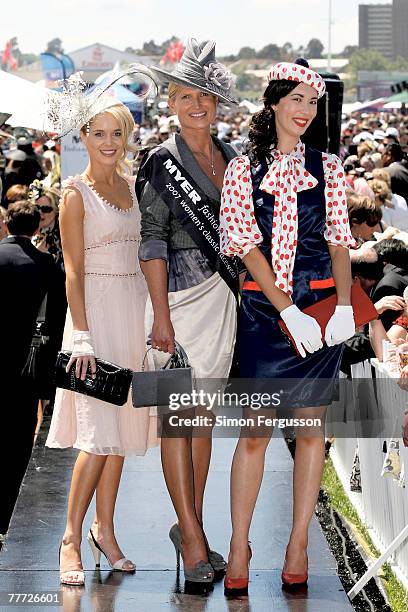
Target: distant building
[400,28]
[375,28]
[374,84]
[96,59]
[92,60]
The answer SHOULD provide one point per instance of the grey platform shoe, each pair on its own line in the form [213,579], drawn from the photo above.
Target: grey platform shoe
[202,572]
[216,560]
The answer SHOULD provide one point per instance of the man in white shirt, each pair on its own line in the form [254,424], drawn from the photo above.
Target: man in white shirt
[396,214]
[394,207]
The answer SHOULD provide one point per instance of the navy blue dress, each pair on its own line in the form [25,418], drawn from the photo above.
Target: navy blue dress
[264,350]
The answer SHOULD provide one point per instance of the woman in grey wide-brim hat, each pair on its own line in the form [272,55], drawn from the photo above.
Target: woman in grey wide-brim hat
[199,69]
[192,292]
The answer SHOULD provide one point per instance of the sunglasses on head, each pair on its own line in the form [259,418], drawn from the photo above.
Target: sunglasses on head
[45,209]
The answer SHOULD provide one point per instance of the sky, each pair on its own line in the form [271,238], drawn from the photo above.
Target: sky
[231,23]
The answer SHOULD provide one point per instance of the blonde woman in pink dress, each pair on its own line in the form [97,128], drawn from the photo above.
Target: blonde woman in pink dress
[100,231]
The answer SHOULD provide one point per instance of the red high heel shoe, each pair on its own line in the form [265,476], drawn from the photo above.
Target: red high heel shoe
[238,586]
[294,579]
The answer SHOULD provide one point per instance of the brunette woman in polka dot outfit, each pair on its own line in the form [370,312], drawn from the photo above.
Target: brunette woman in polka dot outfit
[284,213]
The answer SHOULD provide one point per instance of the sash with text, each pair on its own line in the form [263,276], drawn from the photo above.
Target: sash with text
[194,210]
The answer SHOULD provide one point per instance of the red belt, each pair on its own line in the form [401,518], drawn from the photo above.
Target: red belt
[323,283]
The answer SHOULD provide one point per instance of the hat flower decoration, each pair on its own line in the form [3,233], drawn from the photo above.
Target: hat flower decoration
[218,74]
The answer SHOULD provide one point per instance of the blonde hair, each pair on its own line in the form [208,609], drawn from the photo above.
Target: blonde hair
[362,149]
[126,123]
[365,147]
[173,89]
[52,196]
[38,190]
[381,189]
[382,175]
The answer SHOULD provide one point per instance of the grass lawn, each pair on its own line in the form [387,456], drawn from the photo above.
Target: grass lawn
[397,595]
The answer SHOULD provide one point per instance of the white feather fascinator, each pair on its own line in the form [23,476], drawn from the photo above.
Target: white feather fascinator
[77,103]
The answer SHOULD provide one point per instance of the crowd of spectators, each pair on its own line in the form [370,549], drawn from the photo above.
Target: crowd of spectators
[231,127]
[33,304]
[374,153]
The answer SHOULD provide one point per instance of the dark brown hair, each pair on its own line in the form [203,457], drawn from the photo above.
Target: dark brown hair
[362,209]
[262,130]
[22,218]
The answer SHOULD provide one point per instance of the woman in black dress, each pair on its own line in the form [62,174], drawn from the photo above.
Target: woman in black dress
[284,212]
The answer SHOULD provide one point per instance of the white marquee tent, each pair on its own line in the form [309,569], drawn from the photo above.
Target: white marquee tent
[24,100]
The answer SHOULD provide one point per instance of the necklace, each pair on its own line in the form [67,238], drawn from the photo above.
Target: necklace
[210,161]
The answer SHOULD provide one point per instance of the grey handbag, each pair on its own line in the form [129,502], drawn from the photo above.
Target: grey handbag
[154,388]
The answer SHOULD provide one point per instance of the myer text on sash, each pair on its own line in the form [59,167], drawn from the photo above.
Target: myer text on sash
[184,184]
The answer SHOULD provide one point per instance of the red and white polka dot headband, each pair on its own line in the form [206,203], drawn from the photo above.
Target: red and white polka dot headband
[297,72]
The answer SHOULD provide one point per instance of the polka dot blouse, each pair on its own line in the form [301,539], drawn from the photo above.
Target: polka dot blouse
[286,176]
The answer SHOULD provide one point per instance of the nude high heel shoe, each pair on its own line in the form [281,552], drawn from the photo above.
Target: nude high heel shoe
[97,551]
[71,577]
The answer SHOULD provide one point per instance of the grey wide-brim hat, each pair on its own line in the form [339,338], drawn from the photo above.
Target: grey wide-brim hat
[199,69]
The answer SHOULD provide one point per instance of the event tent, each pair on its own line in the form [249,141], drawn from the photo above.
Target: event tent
[400,97]
[396,101]
[138,83]
[25,101]
[110,75]
[131,100]
[369,105]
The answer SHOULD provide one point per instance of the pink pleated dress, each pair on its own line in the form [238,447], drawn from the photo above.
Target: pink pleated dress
[115,299]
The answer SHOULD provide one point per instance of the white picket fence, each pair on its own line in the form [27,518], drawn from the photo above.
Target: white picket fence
[383,504]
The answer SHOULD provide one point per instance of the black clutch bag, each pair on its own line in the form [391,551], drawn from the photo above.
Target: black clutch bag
[111,383]
[155,387]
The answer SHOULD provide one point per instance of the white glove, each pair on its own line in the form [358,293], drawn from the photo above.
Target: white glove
[304,330]
[341,326]
[82,347]
[82,344]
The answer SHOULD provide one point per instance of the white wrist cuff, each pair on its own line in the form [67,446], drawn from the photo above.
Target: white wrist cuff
[79,335]
[82,344]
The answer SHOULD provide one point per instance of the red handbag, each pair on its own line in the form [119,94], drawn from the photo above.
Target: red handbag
[363,310]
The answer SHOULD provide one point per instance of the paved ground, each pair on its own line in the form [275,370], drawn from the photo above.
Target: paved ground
[29,560]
